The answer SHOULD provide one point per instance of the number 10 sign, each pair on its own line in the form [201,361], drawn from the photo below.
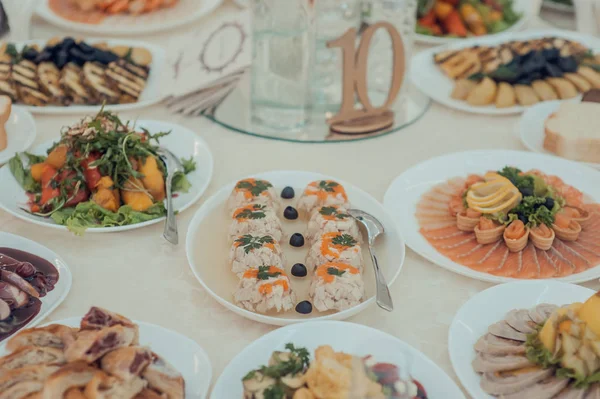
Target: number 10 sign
[365,118]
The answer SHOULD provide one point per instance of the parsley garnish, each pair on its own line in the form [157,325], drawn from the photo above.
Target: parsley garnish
[250,242]
[264,274]
[514,175]
[332,211]
[274,392]
[333,271]
[255,189]
[328,186]
[257,212]
[345,240]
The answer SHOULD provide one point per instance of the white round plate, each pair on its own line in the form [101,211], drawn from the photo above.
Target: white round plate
[178,350]
[553,5]
[531,128]
[182,142]
[65,279]
[21,132]
[430,79]
[406,190]
[207,248]
[183,13]
[521,6]
[153,92]
[490,306]
[350,338]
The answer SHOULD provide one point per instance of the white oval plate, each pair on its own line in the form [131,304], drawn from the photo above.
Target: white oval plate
[65,279]
[21,132]
[552,5]
[490,306]
[430,79]
[185,12]
[522,6]
[531,128]
[182,142]
[350,338]
[152,94]
[406,190]
[178,350]
[209,264]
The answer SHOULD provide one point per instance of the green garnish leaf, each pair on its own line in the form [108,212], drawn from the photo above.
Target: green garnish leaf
[514,175]
[345,240]
[274,392]
[249,376]
[328,186]
[250,242]
[332,211]
[334,271]
[257,212]
[264,274]
[22,175]
[256,188]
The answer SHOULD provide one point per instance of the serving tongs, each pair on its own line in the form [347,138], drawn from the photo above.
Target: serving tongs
[173,166]
[374,229]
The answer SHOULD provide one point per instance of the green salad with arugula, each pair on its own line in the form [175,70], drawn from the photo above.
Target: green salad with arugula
[101,173]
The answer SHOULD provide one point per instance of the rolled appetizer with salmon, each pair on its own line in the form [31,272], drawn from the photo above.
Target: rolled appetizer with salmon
[488,232]
[542,237]
[322,193]
[266,288]
[255,219]
[336,286]
[467,220]
[516,236]
[565,227]
[335,247]
[250,251]
[332,219]
[252,191]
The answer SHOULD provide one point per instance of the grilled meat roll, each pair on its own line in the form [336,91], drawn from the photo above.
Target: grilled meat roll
[94,77]
[49,81]
[24,74]
[7,86]
[72,83]
[129,78]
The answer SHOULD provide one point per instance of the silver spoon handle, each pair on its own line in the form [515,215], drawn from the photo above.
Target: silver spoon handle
[170,233]
[384,299]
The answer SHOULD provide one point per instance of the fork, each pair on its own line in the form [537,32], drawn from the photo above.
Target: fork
[173,166]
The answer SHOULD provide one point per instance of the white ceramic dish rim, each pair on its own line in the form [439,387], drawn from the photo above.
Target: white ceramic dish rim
[192,201]
[64,275]
[454,326]
[424,61]
[432,255]
[44,11]
[529,135]
[213,201]
[27,119]
[325,325]
[527,13]
[150,96]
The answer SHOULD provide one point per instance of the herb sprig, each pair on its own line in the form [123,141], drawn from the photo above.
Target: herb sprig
[250,242]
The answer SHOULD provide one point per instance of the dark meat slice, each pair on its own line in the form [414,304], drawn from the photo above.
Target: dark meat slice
[71,82]
[24,74]
[507,383]
[504,330]
[520,321]
[12,295]
[541,312]
[484,363]
[544,389]
[129,78]
[94,77]
[49,80]
[494,345]
[4,310]
[19,282]
[571,392]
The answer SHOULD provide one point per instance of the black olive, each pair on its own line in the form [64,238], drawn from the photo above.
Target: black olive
[297,240]
[104,57]
[67,43]
[527,56]
[61,59]
[536,75]
[568,64]
[526,191]
[304,307]
[551,54]
[534,63]
[299,270]
[549,203]
[290,213]
[553,71]
[523,219]
[79,57]
[43,56]
[30,54]
[526,80]
[287,193]
[86,48]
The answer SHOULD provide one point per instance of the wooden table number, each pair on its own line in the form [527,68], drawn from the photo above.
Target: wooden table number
[365,118]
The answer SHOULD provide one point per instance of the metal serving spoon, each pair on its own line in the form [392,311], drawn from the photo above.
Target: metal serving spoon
[374,229]
[173,166]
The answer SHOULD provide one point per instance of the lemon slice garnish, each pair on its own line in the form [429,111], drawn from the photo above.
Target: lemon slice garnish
[509,202]
[488,200]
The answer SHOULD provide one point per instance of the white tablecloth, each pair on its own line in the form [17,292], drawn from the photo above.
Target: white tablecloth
[138,274]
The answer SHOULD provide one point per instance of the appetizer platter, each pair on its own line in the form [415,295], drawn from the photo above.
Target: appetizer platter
[105,175]
[17,130]
[332,359]
[33,282]
[565,130]
[501,215]
[65,76]
[501,76]
[445,21]
[103,355]
[287,250]
[123,17]
[527,339]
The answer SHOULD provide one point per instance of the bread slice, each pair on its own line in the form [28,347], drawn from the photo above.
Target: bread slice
[30,373]
[127,363]
[32,355]
[54,336]
[164,378]
[73,375]
[98,318]
[103,386]
[572,132]
[91,345]
[22,389]
[150,394]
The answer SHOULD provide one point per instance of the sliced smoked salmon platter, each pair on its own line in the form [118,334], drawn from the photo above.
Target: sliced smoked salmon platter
[495,222]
